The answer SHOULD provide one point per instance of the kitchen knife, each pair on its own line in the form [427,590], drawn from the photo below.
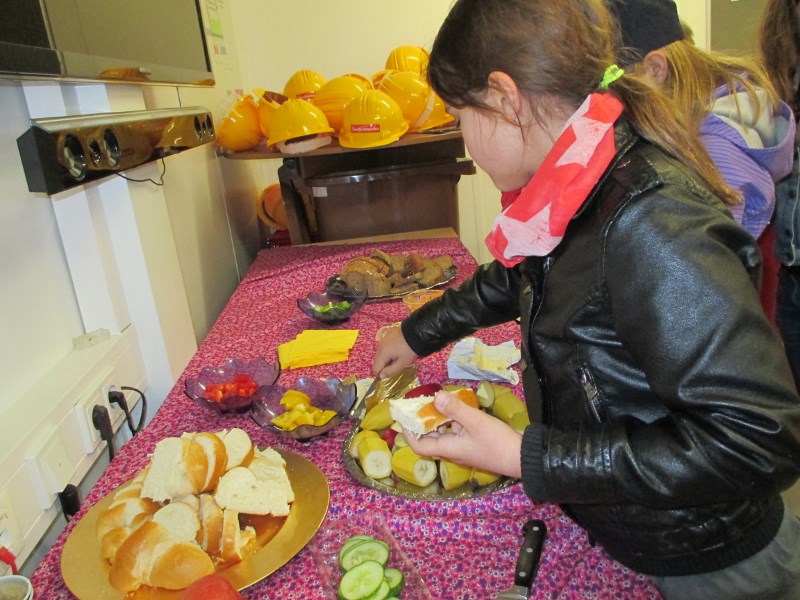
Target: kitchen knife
[534,532]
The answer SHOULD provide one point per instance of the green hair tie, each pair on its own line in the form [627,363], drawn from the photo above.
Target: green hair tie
[613,72]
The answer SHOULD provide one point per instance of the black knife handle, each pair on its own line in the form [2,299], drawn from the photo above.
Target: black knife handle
[535,532]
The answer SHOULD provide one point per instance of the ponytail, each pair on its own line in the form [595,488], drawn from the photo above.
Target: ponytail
[656,118]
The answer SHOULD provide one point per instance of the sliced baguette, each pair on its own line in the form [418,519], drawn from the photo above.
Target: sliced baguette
[216,455]
[266,470]
[234,538]
[210,525]
[178,467]
[153,556]
[240,490]
[119,520]
[239,447]
[180,520]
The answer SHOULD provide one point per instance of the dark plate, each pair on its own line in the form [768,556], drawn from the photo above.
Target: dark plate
[261,371]
[311,304]
[328,394]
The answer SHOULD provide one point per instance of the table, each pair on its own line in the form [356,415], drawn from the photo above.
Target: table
[336,193]
[463,549]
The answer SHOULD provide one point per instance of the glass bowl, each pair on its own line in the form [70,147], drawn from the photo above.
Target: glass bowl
[246,380]
[333,305]
[329,394]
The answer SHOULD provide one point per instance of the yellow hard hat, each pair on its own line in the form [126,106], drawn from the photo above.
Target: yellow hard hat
[378,77]
[295,119]
[412,93]
[266,109]
[439,116]
[303,84]
[372,119]
[239,129]
[408,58]
[363,78]
[335,95]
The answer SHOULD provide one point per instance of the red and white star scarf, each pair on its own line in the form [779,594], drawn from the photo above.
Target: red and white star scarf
[535,218]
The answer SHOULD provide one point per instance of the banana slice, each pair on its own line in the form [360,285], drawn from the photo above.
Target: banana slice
[413,468]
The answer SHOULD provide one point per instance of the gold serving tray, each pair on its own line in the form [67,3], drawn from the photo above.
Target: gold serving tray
[86,572]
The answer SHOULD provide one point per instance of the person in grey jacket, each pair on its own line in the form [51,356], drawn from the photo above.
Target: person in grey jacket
[664,418]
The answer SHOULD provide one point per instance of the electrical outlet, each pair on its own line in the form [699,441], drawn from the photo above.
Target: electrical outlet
[95,393]
[10,533]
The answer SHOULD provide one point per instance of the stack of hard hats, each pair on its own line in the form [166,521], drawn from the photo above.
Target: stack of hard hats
[363,112]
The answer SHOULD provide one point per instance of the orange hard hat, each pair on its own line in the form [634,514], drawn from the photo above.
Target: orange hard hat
[270,207]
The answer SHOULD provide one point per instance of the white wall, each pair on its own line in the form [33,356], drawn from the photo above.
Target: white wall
[695,14]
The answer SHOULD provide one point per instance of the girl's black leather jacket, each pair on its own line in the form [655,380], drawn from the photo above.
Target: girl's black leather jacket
[664,416]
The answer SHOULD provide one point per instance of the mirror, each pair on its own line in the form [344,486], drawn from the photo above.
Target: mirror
[146,41]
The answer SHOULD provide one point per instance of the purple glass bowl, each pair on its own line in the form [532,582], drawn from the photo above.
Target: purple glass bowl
[263,373]
[312,303]
[328,394]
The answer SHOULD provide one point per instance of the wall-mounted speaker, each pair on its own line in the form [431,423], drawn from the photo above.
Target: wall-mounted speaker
[62,153]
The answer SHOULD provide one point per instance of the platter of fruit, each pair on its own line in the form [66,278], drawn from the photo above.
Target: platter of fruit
[377,453]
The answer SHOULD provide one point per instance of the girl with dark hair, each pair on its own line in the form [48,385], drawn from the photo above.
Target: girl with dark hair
[664,418]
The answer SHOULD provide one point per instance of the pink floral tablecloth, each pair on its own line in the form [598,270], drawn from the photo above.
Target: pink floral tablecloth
[463,549]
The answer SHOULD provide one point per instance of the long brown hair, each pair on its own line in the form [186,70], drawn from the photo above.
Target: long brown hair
[695,74]
[779,41]
[558,49]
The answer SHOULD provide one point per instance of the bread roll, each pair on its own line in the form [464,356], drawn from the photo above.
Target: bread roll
[153,556]
[419,415]
[178,467]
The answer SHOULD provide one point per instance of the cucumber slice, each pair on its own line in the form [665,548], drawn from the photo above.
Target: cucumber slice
[376,550]
[352,541]
[382,593]
[362,581]
[395,579]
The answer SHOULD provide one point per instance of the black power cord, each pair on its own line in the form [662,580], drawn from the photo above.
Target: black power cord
[70,501]
[118,397]
[102,422]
